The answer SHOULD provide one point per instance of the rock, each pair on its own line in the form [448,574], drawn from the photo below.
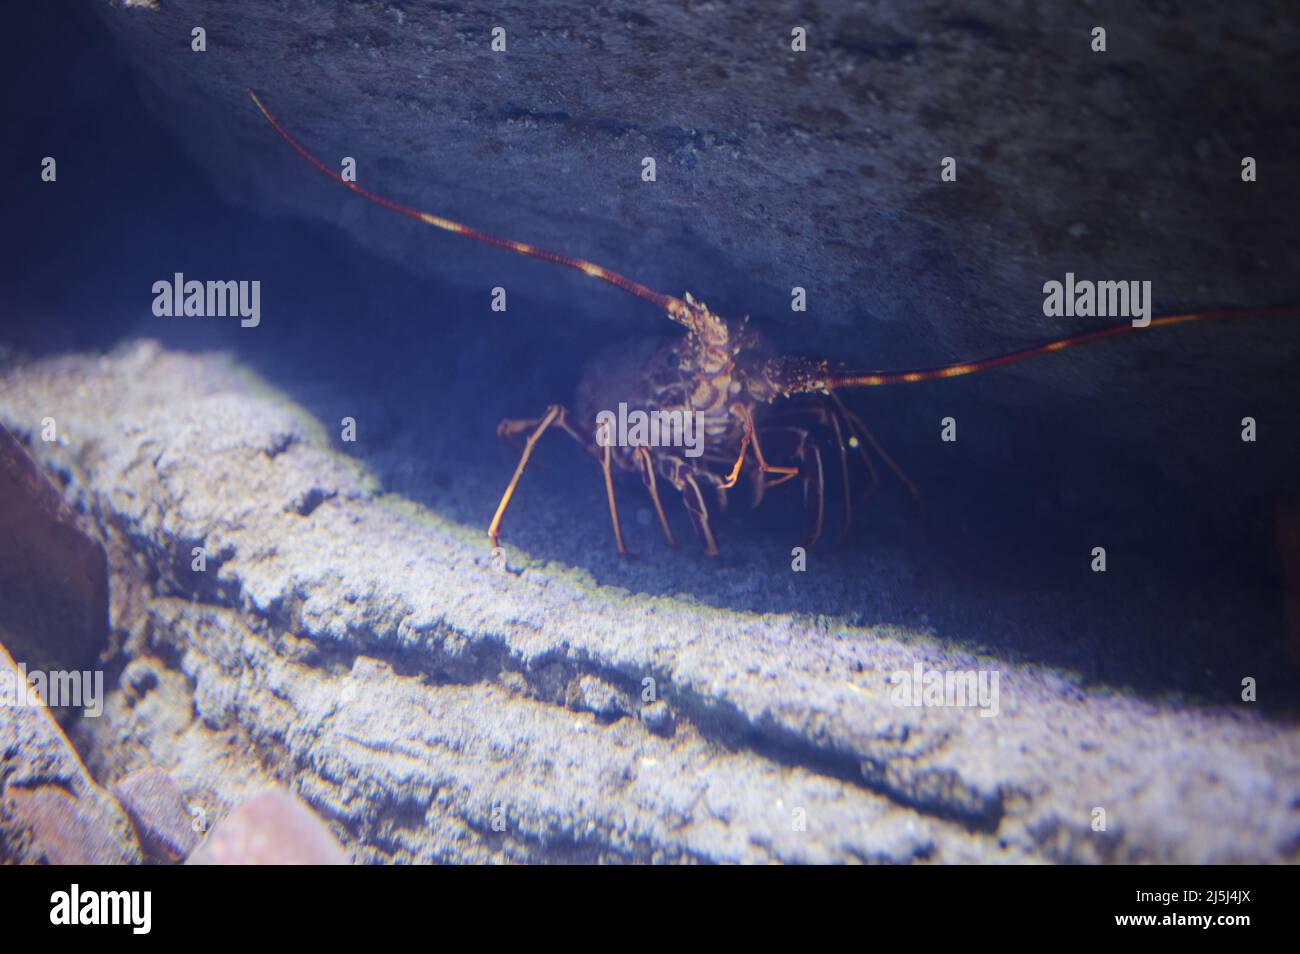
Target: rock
[53,577]
[45,825]
[161,819]
[590,694]
[51,810]
[779,169]
[270,828]
[658,718]
[434,703]
[139,678]
[375,659]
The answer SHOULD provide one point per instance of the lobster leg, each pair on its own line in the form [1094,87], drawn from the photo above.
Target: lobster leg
[648,478]
[832,417]
[557,415]
[807,452]
[731,478]
[829,414]
[752,438]
[859,430]
[508,429]
[682,476]
[814,491]
[693,499]
[613,507]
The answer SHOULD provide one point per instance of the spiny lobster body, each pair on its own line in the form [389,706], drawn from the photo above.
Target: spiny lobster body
[729,377]
[663,379]
[673,375]
[725,376]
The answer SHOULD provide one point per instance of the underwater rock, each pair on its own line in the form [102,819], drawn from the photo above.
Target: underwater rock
[376,660]
[53,577]
[589,694]
[271,828]
[51,810]
[776,169]
[658,718]
[155,806]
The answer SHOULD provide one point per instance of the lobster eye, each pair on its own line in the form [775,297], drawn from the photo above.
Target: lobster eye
[673,359]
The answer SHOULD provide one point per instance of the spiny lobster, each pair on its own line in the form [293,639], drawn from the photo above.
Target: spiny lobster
[726,374]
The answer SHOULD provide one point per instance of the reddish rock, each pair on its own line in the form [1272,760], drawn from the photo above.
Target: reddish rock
[63,830]
[156,808]
[272,827]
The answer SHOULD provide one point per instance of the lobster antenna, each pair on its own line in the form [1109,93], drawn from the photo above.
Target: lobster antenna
[674,306]
[802,376]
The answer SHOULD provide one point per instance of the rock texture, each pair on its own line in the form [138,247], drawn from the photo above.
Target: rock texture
[53,578]
[51,809]
[774,168]
[164,824]
[434,703]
